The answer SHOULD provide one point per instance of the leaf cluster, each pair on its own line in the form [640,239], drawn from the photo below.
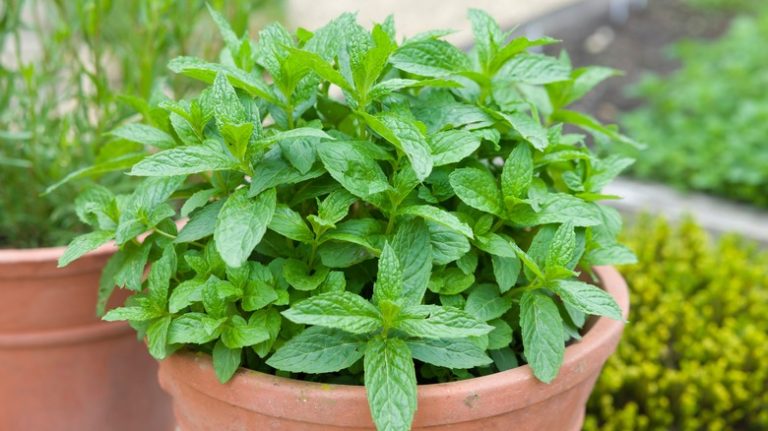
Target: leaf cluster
[361,208]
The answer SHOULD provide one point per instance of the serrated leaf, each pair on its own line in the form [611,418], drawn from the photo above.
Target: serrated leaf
[197,200]
[301,277]
[439,216]
[130,313]
[290,224]
[83,244]
[241,224]
[506,270]
[457,353]
[340,310]
[485,303]
[430,57]
[157,337]
[534,69]
[557,208]
[389,278]
[404,135]
[238,333]
[452,146]
[185,160]
[144,135]
[542,331]
[206,72]
[501,336]
[194,328]
[352,168]
[318,350]
[185,293]
[478,189]
[587,298]
[447,245]
[562,247]
[390,383]
[517,174]
[529,128]
[413,248]
[430,321]
[202,223]
[226,361]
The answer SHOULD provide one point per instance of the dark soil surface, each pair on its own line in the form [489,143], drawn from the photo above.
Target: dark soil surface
[635,46]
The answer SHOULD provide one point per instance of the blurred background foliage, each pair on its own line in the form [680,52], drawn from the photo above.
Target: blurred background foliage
[705,124]
[72,70]
[693,355]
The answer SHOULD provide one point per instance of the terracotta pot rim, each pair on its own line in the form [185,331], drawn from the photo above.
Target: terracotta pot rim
[189,369]
[45,254]
[64,336]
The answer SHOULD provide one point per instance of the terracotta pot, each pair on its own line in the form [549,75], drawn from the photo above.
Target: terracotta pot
[61,368]
[512,399]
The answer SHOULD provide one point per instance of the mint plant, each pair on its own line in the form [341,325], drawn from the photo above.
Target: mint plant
[365,211]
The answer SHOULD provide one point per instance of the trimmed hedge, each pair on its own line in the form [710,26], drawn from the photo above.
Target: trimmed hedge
[695,353]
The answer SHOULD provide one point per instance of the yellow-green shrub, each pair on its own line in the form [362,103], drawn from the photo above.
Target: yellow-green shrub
[694,355]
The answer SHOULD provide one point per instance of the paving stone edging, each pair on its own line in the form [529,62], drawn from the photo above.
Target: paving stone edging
[717,215]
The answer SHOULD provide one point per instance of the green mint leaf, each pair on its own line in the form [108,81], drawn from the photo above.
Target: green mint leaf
[429,321]
[506,270]
[450,281]
[352,168]
[226,361]
[206,72]
[144,135]
[534,69]
[390,383]
[501,336]
[389,279]
[590,124]
[562,247]
[488,36]
[238,333]
[517,174]
[515,47]
[614,254]
[504,359]
[301,277]
[194,328]
[413,248]
[226,105]
[83,244]
[407,137]
[529,128]
[318,350]
[186,160]
[335,207]
[542,330]
[202,223]
[439,216]
[241,225]
[274,171]
[587,298]
[453,146]
[184,294]
[457,353]
[447,245]
[290,224]
[478,189]
[198,200]
[130,313]
[485,303]
[340,310]
[271,320]
[157,337]
[430,57]
[159,279]
[216,294]
[557,208]
[605,170]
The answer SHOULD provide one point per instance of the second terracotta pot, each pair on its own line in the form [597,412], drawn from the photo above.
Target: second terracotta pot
[61,368]
[508,400]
